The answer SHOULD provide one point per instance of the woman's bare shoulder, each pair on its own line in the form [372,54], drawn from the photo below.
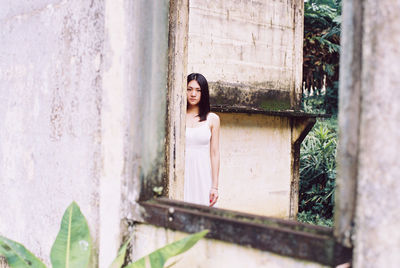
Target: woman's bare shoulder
[213,118]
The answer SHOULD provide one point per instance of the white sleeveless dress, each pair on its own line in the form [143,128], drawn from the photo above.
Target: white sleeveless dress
[198,176]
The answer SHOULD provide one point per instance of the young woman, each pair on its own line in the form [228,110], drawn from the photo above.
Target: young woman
[202,144]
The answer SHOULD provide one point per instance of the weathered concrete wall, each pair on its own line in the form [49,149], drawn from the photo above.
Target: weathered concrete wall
[255,164]
[83,117]
[349,114]
[378,190]
[177,103]
[254,47]
[210,253]
[133,113]
[251,54]
[370,138]
[50,102]
[263,75]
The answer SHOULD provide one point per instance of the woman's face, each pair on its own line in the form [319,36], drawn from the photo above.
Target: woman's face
[193,93]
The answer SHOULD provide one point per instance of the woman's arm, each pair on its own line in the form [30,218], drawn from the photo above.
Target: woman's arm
[214,155]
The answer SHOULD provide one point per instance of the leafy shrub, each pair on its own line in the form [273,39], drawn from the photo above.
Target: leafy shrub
[318,173]
[321,51]
[324,102]
[308,217]
[313,103]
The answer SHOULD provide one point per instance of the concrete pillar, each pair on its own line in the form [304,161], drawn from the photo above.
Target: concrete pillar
[177,72]
[370,130]
[378,192]
[349,113]
[133,114]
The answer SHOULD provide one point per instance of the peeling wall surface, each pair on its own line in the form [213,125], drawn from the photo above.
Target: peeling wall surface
[242,41]
[50,102]
[210,253]
[246,42]
[255,164]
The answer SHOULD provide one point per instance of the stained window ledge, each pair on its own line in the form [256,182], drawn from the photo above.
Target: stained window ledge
[284,237]
[253,110]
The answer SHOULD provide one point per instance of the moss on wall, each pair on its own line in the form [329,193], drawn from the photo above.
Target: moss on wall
[255,95]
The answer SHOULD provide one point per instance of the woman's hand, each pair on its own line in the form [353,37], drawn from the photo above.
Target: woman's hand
[213,196]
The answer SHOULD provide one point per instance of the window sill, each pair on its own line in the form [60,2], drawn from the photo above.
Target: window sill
[284,237]
[252,110]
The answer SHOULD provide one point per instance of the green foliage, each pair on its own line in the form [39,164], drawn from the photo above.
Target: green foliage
[308,217]
[322,12]
[324,103]
[17,255]
[120,259]
[71,248]
[321,49]
[158,258]
[318,173]
[314,104]
[73,244]
[331,99]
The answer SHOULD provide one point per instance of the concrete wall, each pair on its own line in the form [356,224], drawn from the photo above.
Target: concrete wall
[50,127]
[256,43]
[209,252]
[255,164]
[369,126]
[82,101]
[251,54]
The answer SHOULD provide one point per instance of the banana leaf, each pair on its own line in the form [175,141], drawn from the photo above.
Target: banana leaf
[119,260]
[17,255]
[158,258]
[73,245]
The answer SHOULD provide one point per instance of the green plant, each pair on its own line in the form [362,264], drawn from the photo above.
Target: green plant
[73,246]
[313,104]
[321,49]
[308,217]
[158,258]
[318,173]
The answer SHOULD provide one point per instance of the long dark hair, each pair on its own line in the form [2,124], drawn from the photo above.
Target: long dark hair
[204,104]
